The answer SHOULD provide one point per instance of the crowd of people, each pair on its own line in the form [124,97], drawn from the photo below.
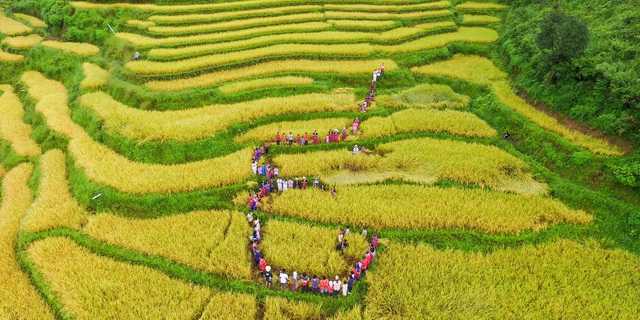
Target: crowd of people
[273,182]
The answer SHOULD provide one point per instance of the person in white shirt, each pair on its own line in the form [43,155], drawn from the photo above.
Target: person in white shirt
[284,279]
[337,286]
[254,167]
[294,281]
[345,289]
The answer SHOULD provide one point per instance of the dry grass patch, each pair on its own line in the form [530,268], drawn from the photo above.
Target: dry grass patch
[143,42]
[94,76]
[12,27]
[213,241]
[12,127]
[191,124]
[22,42]
[94,287]
[79,48]
[18,299]
[309,249]
[482,71]
[54,205]
[418,207]
[287,81]
[338,67]
[30,20]
[580,280]
[418,160]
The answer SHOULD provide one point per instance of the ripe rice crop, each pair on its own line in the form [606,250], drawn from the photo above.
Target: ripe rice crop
[220,6]
[81,49]
[479,7]
[482,71]
[105,166]
[418,160]
[277,308]
[337,15]
[337,67]
[230,306]
[30,20]
[363,25]
[94,76]
[22,42]
[10,57]
[247,85]
[583,280]
[18,297]
[140,24]
[230,15]
[144,42]
[463,34]
[268,132]
[387,8]
[309,249]
[149,68]
[12,127]
[192,124]
[90,286]
[54,205]
[474,19]
[426,96]
[214,241]
[417,120]
[418,207]
[2,171]
[235,24]
[12,27]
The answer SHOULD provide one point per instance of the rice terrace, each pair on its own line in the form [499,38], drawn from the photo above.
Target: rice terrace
[319,159]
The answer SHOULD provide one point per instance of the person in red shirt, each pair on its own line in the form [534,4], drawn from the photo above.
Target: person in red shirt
[262,265]
[324,285]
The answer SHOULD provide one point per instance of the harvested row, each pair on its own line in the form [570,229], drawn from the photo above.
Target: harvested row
[12,27]
[465,34]
[325,37]
[213,241]
[54,205]
[143,42]
[94,287]
[94,76]
[106,167]
[336,67]
[197,123]
[417,207]
[584,280]
[432,96]
[22,42]
[308,249]
[17,297]
[235,24]
[30,20]
[410,120]
[230,15]
[10,57]
[287,81]
[482,71]
[78,48]
[12,127]
[417,160]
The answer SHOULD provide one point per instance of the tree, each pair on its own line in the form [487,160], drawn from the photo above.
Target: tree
[562,38]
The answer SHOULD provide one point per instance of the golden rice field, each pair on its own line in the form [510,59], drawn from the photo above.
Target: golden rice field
[126,167]
[527,282]
[309,249]
[418,207]
[470,163]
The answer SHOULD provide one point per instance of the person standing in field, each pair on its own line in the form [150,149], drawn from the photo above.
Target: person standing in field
[284,279]
[268,276]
